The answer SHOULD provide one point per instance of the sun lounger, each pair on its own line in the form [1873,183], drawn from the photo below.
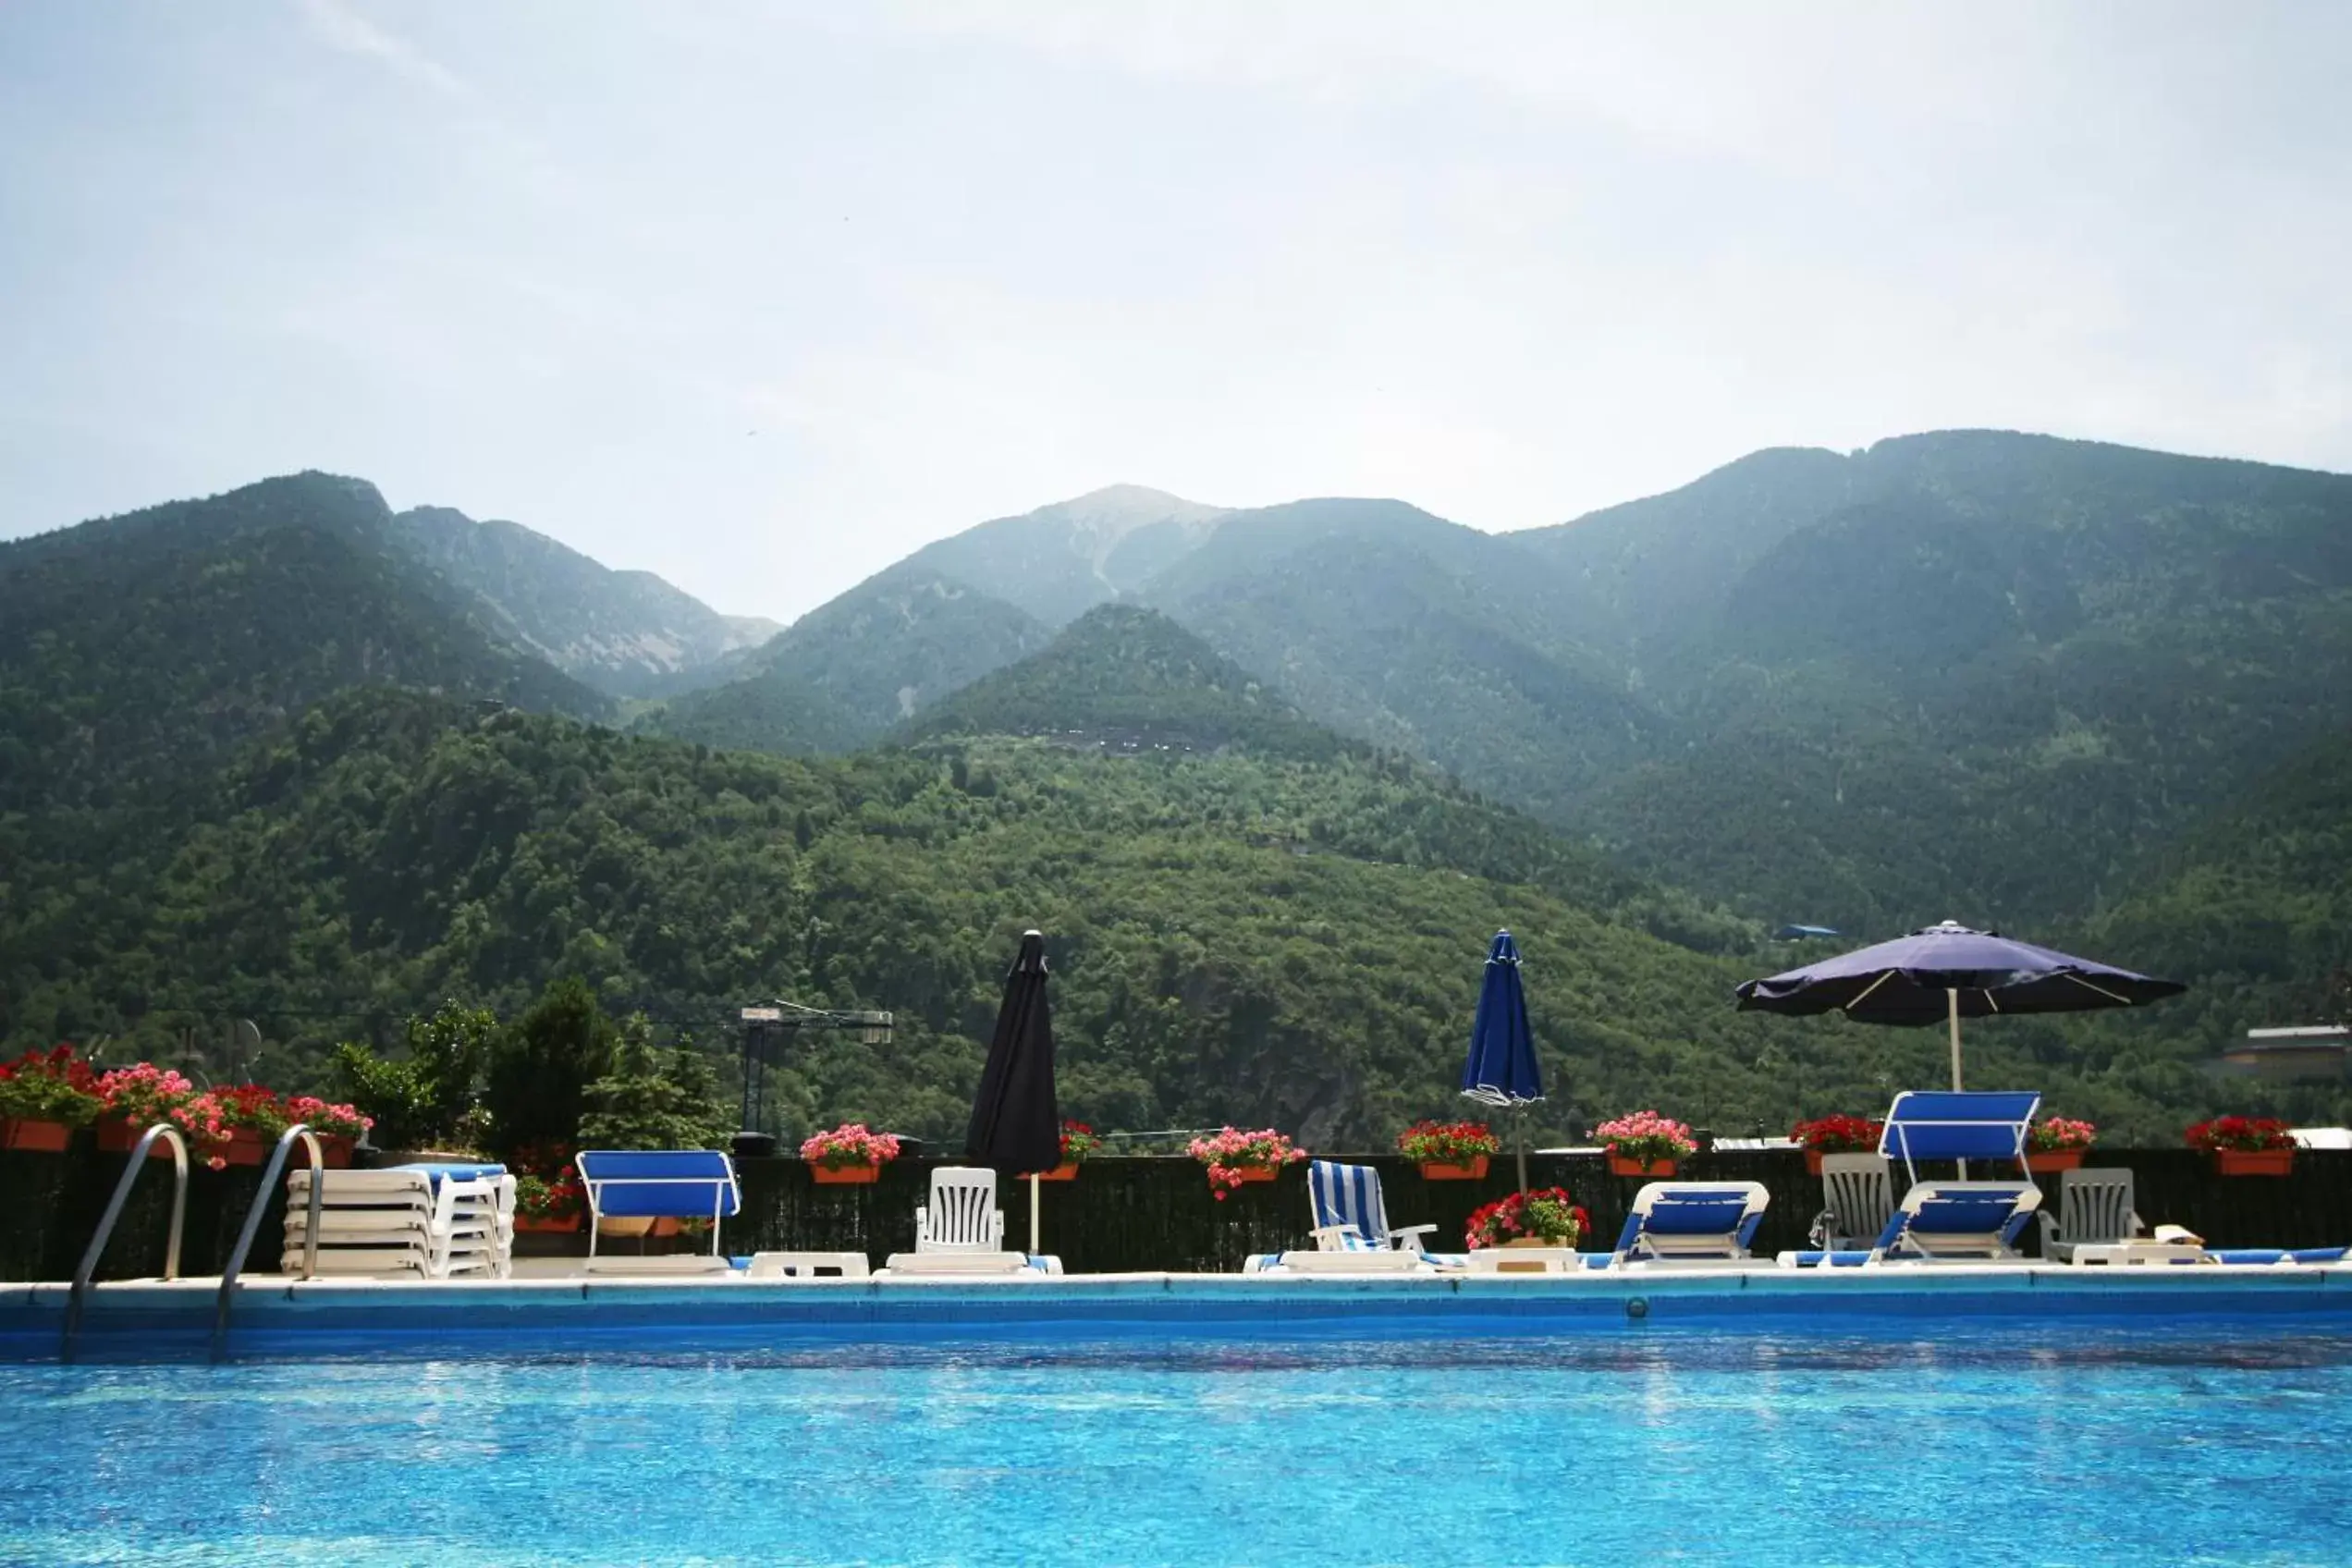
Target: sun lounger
[1350,1214]
[909,1264]
[425,1220]
[1350,1224]
[658,1184]
[1691,1221]
[1958,1219]
[1953,1124]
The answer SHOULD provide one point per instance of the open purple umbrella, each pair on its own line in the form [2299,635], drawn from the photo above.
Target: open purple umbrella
[1948,972]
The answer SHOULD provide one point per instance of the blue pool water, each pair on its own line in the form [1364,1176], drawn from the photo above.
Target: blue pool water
[2085,1446]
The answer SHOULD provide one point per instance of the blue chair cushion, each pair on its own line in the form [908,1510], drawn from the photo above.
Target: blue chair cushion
[1966,1214]
[660,1183]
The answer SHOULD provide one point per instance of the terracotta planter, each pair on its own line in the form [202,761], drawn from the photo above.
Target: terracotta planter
[245,1147]
[2254,1162]
[2039,1160]
[34,1137]
[120,1134]
[548,1224]
[335,1151]
[1256,1172]
[845,1175]
[1657,1170]
[1444,1171]
[1066,1172]
[625,1226]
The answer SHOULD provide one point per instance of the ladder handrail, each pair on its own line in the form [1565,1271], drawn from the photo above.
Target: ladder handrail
[254,1223]
[97,1248]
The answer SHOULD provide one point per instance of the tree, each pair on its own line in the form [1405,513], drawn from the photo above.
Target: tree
[653,1099]
[542,1067]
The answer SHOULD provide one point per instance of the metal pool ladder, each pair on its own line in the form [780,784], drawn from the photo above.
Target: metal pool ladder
[97,1249]
[235,1264]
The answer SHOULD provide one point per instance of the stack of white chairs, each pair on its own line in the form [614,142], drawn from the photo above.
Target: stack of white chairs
[404,1221]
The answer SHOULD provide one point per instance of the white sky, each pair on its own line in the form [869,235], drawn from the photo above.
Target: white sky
[559,262]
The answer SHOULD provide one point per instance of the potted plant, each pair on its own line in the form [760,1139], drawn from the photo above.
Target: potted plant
[1645,1143]
[849,1154]
[2246,1145]
[1450,1151]
[1080,1143]
[2057,1144]
[133,1099]
[1836,1134]
[338,1127]
[43,1097]
[1235,1157]
[551,1204]
[255,1117]
[1546,1218]
[203,1121]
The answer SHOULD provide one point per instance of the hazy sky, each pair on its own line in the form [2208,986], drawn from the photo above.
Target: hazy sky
[762,297]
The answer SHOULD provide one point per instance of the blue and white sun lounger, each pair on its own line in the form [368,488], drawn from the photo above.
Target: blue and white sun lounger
[660,1184]
[1958,1219]
[1951,1124]
[1676,1222]
[1350,1228]
[1350,1215]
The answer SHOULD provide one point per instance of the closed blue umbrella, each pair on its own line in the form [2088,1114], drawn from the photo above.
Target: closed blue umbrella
[1502,1069]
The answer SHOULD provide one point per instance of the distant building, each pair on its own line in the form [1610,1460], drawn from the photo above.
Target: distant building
[2303,1053]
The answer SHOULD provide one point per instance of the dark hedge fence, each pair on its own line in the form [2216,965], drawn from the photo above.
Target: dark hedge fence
[1121,1215]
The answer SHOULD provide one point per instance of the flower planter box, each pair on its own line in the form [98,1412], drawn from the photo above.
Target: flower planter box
[845,1175]
[1541,1241]
[245,1147]
[1066,1172]
[1445,1171]
[335,1151]
[34,1137]
[1256,1172]
[1657,1170]
[2041,1160]
[2254,1162]
[548,1224]
[120,1134]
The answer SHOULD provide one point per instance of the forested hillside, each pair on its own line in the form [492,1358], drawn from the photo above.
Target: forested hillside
[1130,679]
[135,650]
[624,632]
[846,673]
[1259,941]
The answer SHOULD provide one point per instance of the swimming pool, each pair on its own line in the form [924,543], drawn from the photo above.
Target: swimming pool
[2022,1443]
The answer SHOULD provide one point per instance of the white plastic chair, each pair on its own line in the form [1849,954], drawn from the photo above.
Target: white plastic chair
[1858,1199]
[2095,1209]
[963,1215]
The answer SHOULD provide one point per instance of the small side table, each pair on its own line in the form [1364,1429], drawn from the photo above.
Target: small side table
[806,1264]
[1525,1260]
[2119,1253]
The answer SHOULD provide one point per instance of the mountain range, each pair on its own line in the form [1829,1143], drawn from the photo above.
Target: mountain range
[2082,693]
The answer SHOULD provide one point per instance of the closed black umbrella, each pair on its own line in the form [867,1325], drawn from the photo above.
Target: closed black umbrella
[1016,1121]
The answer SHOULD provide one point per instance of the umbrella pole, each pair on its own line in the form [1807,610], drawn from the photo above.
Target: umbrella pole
[1034,1180]
[1519,1125]
[1951,1000]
